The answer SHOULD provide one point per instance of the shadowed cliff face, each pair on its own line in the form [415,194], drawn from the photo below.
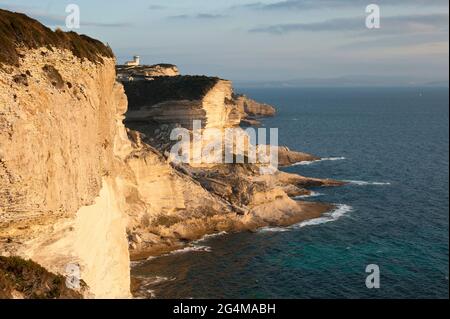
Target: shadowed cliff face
[167,88]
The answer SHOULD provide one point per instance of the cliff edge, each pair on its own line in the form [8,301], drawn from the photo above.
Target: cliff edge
[60,150]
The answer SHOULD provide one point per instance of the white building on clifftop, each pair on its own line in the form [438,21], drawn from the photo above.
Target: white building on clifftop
[136,61]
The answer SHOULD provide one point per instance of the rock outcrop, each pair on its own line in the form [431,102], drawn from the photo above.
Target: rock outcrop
[250,107]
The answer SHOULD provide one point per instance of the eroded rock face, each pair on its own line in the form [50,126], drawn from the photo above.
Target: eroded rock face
[60,153]
[248,199]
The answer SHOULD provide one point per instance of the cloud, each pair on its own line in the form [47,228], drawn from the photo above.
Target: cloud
[200,16]
[157,7]
[53,20]
[403,40]
[392,25]
[106,24]
[317,4]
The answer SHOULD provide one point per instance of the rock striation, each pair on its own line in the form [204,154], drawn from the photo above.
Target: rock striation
[61,147]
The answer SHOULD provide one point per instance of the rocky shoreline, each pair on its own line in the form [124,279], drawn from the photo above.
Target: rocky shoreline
[244,199]
[85,167]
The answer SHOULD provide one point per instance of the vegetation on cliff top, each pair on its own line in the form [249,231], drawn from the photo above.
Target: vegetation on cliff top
[25,279]
[168,88]
[17,30]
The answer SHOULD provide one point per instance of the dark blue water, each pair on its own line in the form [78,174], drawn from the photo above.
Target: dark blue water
[397,138]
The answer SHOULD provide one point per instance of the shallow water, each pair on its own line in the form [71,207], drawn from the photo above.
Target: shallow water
[392,146]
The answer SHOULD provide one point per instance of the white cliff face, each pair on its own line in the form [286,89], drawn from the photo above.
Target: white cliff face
[61,143]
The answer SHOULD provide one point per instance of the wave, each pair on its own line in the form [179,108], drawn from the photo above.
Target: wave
[146,283]
[270,229]
[364,183]
[194,247]
[313,194]
[340,211]
[320,160]
[189,249]
[209,236]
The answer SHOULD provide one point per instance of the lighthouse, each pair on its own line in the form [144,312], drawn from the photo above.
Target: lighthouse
[136,61]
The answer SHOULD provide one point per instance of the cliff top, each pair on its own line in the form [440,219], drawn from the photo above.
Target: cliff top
[168,88]
[18,30]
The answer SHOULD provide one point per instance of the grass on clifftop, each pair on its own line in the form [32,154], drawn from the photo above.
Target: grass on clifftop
[168,88]
[28,280]
[18,30]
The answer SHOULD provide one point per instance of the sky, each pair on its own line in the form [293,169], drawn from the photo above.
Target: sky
[251,41]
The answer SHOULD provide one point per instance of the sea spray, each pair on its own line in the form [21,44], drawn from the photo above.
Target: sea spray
[340,211]
[313,194]
[319,160]
[364,183]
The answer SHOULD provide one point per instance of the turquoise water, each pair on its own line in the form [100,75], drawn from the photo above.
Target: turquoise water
[393,145]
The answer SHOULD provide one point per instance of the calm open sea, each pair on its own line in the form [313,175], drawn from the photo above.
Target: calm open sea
[393,145]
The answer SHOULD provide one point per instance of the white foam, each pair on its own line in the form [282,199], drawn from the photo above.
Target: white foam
[320,160]
[136,263]
[272,229]
[313,194]
[364,183]
[209,236]
[187,249]
[332,216]
[341,210]
[146,283]
[191,249]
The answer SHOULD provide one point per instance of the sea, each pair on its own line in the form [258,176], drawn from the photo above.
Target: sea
[391,220]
